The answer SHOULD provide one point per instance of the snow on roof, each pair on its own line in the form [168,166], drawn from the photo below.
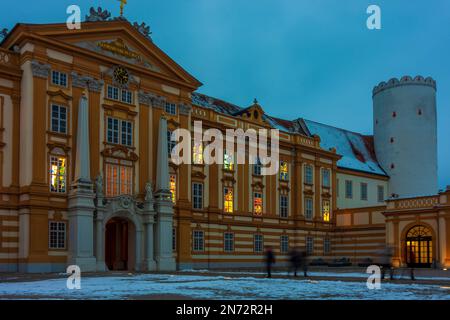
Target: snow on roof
[230,109]
[357,150]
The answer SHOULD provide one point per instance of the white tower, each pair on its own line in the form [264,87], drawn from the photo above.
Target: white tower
[405,134]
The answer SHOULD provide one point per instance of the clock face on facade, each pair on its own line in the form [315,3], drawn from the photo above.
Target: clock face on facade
[121,75]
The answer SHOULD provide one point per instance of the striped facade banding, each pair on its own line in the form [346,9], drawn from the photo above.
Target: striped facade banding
[85,175]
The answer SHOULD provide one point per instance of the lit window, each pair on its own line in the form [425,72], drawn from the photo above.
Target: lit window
[308,208]
[284,244]
[173,187]
[59,119]
[57,235]
[326,210]
[380,193]
[171,108]
[257,167]
[197,151]
[308,174]
[228,200]
[59,78]
[326,178]
[284,206]
[258,242]
[197,195]
[228,161]
[257,203]
[198,241]
[284,171]
[57,174]
[119,180]
[348,189]
[363,191]
[122,128]
[326,246]
[309,245]
[228,242]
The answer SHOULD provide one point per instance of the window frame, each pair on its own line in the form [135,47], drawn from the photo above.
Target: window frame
[57,232]
[170,108]
[382,199]
[309,245]
[255,193]
[306,201]
[308,174]
[229,241]
[326,183]
[364,196]
[225,205]
[284,171]
[58,118]
[347,194]
[326,246]
[119,185]
[198,243]
[258,244]
[118,135]
[284,243]
[284,209]
[197,198]
[57,175]
[122,95]
[60,75]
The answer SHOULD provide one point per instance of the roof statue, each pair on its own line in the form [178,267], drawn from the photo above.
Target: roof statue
[143,29]
[3,33]
[98,15]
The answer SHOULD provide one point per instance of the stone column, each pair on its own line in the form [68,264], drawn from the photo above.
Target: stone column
[149,223]
[164,206]
[81,199]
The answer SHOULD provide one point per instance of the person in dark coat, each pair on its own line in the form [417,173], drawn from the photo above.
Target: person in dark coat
[270,260]
[294,259]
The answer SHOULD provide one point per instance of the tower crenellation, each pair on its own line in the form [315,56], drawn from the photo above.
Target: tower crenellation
[404,81]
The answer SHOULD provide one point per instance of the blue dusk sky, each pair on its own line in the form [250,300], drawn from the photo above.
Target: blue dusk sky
[301,58]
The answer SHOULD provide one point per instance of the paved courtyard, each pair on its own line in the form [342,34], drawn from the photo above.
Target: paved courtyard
[232,285]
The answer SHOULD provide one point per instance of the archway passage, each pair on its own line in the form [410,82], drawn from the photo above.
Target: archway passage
[116,244]
[419,247]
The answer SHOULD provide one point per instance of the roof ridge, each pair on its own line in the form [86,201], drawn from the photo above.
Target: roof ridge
[342,129]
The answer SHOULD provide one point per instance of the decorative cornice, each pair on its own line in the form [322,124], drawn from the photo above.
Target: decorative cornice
[88,82]
[406,80]
[185,109]
[59,93]
[40,70]
[151,99]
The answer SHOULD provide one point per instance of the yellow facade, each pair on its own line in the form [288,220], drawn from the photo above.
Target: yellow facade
[39,116]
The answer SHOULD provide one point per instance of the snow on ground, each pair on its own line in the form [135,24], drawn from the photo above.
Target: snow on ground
[215,287]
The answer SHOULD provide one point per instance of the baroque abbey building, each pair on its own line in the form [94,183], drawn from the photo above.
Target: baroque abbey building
[86,178]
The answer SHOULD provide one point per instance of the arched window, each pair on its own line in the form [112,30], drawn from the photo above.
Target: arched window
[419,247]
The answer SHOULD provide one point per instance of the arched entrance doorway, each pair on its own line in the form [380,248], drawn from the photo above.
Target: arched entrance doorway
[120,244]
[419,247]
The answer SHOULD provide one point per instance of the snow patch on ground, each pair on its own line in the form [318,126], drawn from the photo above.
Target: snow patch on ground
[215,287]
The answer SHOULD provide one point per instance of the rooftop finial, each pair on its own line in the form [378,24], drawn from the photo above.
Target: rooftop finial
[255,101]
[122,5]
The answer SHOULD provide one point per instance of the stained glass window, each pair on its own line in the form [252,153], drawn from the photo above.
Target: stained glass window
[257,203]
[228,161]
[284,175]
[58,174]
[228,200]
[326,210]
[173,187]
[197,151]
